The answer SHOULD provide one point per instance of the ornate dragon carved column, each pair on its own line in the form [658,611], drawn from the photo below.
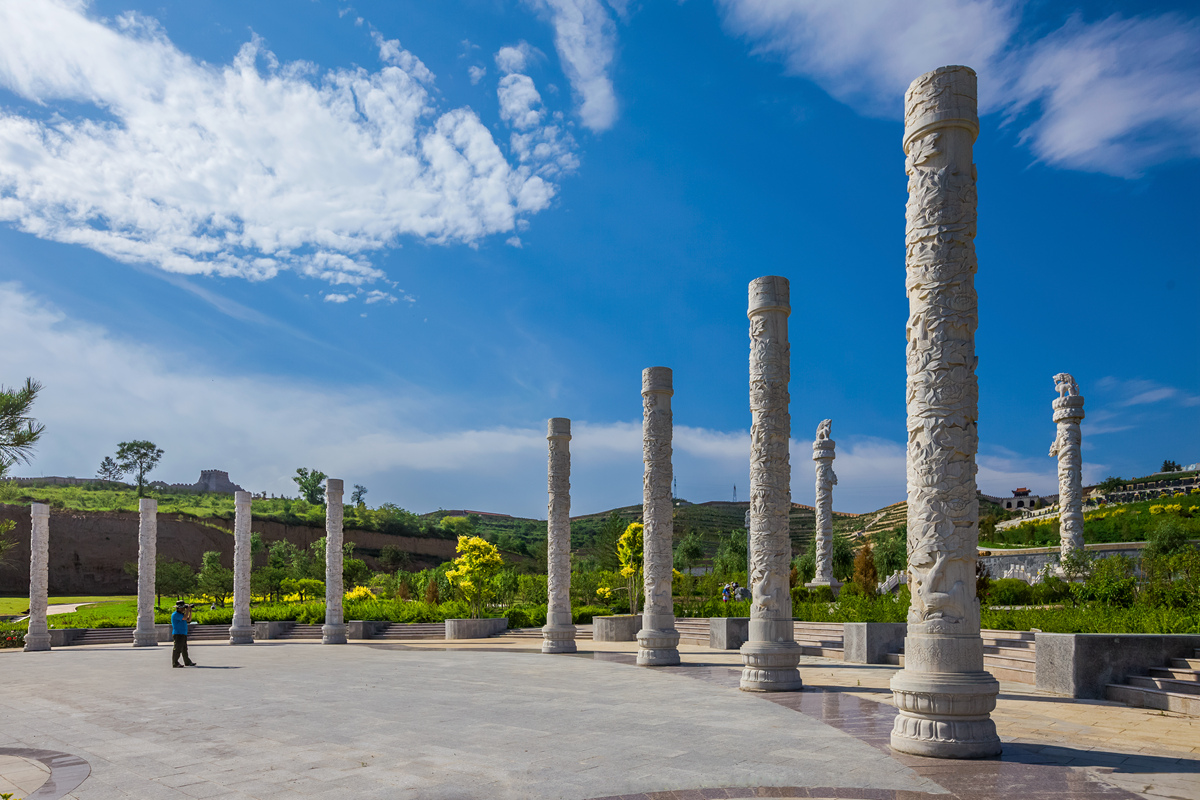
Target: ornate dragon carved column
[145,634]
[558,635]
[38,636]
[1068,413]
[770,653]
[658,641]
[242,629]
[943,694]
[334,629]
[823,454]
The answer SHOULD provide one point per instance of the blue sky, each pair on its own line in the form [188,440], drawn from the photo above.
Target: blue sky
[388,240]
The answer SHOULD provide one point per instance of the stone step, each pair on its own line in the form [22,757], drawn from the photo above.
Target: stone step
[581,632]
[302,632]
[105,636]
[1019,661]
[895,659]
[1176,673]
[410,630]
[1185,663]
[823,652]
[1027,645]
[1165,684]
[1142,697]
[208,633]
[998,634]
[1011,674]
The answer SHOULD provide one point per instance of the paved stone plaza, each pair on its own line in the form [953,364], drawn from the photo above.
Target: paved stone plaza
[493,719]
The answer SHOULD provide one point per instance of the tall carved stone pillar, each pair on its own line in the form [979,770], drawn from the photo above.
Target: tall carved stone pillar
[943,694]
[770,654]
[38,636]
[1068,413]
[145,635]
[558,634]
[658,641]
[334,629]
[242,630]
[823,454]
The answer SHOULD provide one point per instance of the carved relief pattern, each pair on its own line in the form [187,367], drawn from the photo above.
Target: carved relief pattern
[770,467]
[241,560]
[657,506]
[333,552]
[942,391]
[145,634]
[558,544]
[1068,413]
[824,449]
[38,635]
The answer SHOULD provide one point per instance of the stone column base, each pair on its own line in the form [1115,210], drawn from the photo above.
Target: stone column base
[946,714]
[37,641]
[658,647]
[334,634]
[241,635]
[771,666]
[145,638]
[558,638]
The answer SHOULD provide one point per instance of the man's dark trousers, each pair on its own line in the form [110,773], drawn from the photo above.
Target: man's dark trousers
[180,650]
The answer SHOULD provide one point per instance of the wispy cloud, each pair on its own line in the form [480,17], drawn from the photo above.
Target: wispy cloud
[585,36]
[146,155]
[1117,95]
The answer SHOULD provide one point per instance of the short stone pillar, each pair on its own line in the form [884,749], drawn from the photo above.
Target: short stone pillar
[38,636]
[242,629]
[943,695]
[558,635]
[823,454]
[770,654]
[658,641]
[1068,413]
[334,629]
[145,634]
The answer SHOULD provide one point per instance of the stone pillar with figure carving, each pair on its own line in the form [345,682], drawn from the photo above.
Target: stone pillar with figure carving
[558,634]
[145,634]
[770,654]
[943,694]
[1068,413]
[334,629]
[242,629]
[824,453]
[38,635]
[658,641]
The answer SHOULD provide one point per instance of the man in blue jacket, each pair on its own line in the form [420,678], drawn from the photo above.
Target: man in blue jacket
[179,633]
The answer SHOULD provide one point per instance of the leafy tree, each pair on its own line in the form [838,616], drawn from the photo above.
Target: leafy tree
[393,558]
[19,432]
[359,495]
[7,543]
[138,457]
[307,588]
[355,572]
[1110,484]
[606,542]
[109,471]
[1171,466]
[689,550]
[473,571]
[630,554]
[215,580]
[311,485]
[732,554]
[457,526]
[865,576]
[1166,538]
[173,578]
[842,558]
[891,551]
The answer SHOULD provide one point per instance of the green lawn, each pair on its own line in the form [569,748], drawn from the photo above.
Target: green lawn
[19,605]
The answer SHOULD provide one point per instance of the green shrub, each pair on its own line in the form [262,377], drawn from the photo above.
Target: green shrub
[1166,538]
[454,609]
[1009,592]
[821,594]
[800,594]
[1110,583]
[527,616]
[584,615]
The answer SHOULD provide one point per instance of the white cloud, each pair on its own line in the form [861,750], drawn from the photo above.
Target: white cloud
[543,145]
[146,155]
[376,296]
[338,298]
[515,58]
[476,74]
[585,37]
[1116,95]
[514,241]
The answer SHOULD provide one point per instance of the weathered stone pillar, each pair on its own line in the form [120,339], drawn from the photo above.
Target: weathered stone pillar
[242,630]
[1068,413]
[38,636]
[145,634]
[823,454]
[770,653]
[943,694]
[334,629]
[658,641]
[558,635]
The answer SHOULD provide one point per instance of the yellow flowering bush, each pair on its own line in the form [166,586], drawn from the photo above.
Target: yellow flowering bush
[1156,509]
[360,593]
[1175,508]
[477,564]
[630,554]
[1195,490]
